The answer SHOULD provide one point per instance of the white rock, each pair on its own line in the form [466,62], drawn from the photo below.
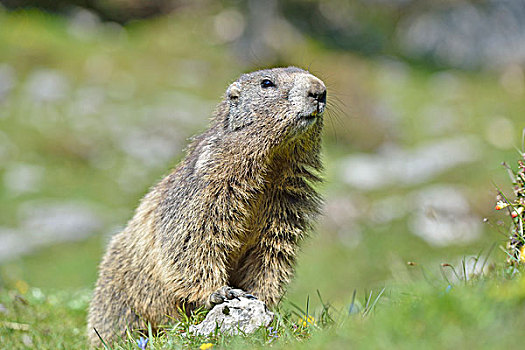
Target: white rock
[236,316]
[20,178]
[397,167]
[47,221]
[442,216]
[47,85]
[44,223]
[7,80]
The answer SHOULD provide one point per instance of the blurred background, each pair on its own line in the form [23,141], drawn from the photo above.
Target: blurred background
[99,97]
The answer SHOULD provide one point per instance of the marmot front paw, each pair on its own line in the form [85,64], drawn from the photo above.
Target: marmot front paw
[226,293]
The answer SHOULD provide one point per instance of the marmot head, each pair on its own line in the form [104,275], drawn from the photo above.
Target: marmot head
[287,101]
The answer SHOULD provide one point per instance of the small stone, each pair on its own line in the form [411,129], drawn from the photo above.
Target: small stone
[236,316]
[7,80]
[47,85]
[27,340]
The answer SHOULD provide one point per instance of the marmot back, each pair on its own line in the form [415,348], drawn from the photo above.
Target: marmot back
[229,218]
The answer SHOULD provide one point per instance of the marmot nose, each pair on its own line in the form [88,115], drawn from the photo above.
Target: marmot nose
[317,91]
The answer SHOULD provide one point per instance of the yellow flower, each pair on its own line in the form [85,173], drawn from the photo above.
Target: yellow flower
[22,286]
[522,254]
[206,346]
[304,321]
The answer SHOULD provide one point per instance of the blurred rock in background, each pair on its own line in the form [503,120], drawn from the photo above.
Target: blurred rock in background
[464,34]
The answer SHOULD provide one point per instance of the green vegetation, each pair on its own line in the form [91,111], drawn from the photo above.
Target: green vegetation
[482,311]
[120,93]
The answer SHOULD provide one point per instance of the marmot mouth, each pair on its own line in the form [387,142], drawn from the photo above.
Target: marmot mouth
[311,116]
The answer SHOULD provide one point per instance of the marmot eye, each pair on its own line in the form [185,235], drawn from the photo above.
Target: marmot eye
[266,83]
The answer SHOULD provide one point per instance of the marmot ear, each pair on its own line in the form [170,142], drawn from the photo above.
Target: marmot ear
[236,119]
[233,92]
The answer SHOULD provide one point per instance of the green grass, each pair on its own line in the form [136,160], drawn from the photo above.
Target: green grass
[486,314]
[73,266]
[43,321]
[484,311]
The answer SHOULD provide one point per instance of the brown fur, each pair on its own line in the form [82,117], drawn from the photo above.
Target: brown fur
[232,213]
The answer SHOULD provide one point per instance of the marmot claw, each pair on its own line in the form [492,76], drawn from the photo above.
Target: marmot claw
[227,293]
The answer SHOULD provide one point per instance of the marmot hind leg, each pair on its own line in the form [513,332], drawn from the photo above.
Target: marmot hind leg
[111,319]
